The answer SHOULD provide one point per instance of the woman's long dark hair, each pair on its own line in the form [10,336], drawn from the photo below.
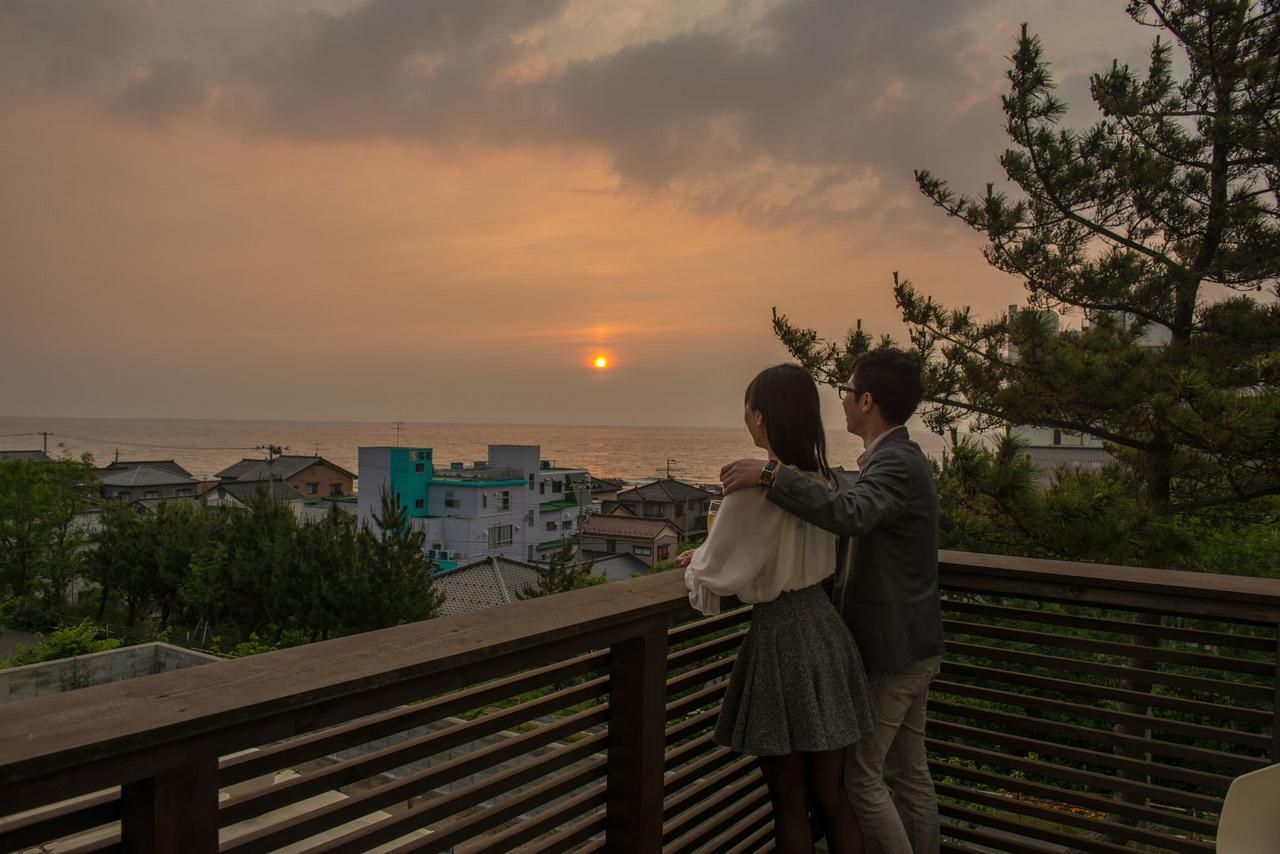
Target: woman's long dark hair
[787,399]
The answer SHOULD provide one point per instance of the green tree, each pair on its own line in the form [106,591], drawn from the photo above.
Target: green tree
[42,506]
[1159,224]
[65,642]
[396,584]
[562,572]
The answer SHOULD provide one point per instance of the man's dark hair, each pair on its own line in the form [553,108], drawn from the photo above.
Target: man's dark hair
[893,379]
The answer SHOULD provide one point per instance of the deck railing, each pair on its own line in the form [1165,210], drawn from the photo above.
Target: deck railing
[1080,707]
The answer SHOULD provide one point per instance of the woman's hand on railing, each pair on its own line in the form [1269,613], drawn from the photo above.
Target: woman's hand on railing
[682,559]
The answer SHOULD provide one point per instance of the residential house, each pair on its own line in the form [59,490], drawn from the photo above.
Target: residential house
[605,489]
[682,504]
[313,476]
[650,540]
[32,456]
[241,493]
[148,481]
[484,583]
[513,504]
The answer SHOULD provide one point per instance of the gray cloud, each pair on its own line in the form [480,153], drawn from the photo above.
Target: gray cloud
[165,89]
[812,110]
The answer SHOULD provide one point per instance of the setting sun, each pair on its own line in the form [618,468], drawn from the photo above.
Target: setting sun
[601,362]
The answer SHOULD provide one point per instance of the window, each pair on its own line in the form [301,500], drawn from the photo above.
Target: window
[313,489]
[531,481]
[449,500]
[335,489]
[122,493]
[184,490]
[557,486]
[529,553]
[611,547]
[151,493]
[484,500]
[504,500]
[419,467]
[500,535]
[551,525]
[644,551]
[417,503]
[664,552]
[653,511]
[542,488]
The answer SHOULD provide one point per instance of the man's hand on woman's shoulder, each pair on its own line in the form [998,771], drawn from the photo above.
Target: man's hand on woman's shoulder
[741,474]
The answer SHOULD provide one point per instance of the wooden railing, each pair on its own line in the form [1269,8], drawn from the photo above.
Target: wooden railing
[1080,707]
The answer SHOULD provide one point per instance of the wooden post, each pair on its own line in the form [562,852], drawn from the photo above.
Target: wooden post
[637,732]
[1275,706]
[173,811]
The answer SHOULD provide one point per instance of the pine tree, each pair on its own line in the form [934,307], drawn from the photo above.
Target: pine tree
[1160,227]
[562,572]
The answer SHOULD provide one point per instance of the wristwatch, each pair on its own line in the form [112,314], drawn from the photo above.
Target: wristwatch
[766,474]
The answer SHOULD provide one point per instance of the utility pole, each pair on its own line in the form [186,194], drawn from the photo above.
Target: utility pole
[45,434]
[399,427]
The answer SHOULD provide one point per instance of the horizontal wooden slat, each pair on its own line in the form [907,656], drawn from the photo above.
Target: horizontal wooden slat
[715,813]
[1117,626]
[1053,771]
[1075,797]
[577,834]
[1079,754]
[1113,671]
[58,821]
[348,771]
[1212,711]
[1060,640]
[1069,841]
[285,754]
[696,653]
[322,818]
[1056,732]
[1070,819]
[686,632]
[541,826]
[747,829]
[448,834]
[718,771]
[986,841]
[760,839]
[1250,741]
[1194,593]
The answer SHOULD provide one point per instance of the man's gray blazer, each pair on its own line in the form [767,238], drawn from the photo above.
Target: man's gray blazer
[887,579]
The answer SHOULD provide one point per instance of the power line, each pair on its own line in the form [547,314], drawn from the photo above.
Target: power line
[113,442]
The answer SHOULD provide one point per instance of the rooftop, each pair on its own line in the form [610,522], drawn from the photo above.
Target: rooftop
[144,475]
[665,490]
[282,467]
[632,527]
[484,583]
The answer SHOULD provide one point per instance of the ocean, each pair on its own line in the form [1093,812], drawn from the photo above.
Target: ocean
[205,447]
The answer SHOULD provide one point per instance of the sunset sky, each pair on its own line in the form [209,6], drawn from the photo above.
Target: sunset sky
[443,211]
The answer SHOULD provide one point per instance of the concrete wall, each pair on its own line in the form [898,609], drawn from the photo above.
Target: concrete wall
[99,668]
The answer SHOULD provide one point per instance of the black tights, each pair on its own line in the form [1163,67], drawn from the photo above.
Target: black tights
[793,781]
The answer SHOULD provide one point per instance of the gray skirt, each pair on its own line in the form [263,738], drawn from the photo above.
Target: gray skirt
[798,684]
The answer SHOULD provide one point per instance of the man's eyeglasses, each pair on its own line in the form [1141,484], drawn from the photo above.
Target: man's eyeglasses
[846,390]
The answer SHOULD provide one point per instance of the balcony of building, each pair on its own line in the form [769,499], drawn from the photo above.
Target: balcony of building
[1080,708]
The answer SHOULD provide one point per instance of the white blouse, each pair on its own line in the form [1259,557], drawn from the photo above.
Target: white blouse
[757,551]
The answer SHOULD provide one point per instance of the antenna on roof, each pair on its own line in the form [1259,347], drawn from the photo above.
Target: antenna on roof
[670,469]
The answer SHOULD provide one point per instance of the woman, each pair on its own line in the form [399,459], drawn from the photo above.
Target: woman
[798,695]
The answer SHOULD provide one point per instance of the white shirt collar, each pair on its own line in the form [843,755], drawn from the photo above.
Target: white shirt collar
[865,456]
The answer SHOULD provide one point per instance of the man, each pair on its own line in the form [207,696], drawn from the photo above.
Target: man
[886,588]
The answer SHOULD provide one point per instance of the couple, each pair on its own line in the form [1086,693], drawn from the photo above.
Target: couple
[793,538]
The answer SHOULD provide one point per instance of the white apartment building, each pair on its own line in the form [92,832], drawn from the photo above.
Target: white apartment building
[514,504]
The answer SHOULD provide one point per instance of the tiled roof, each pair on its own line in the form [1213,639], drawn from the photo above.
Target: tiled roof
[665,490]
[615,567]
[283,467]
[1068,455]
[243,491]
[484,584]
[598,483]
[145,476]
[164,465]
[626,526]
